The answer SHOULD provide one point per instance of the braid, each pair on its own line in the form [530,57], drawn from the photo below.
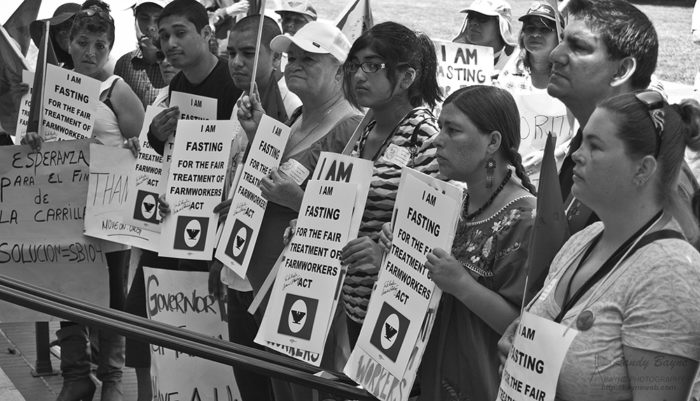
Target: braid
[517,162]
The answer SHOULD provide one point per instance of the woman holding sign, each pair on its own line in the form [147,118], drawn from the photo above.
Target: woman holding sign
[483,277]
[629,284]
[390,70]
[118,119]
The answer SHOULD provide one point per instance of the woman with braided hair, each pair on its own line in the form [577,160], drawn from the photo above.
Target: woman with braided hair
[483,277]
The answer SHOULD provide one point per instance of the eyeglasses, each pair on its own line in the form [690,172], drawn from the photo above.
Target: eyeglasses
[537,29]
[367,66]
[92,10]
[654,103]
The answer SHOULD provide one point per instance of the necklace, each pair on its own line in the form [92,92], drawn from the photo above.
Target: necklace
[488,203]
[299,140]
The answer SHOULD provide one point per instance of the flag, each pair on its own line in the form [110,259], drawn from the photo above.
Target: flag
[550,230]
[355,19]
[18,23]
[46,55]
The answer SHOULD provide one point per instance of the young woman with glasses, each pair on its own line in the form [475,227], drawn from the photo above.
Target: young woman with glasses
[630,283]
[390,70]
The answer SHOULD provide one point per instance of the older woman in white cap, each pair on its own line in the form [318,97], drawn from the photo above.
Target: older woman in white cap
[295,14]
[324,122]
[488,24]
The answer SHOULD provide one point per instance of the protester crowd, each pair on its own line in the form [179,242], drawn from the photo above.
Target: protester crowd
[628,278]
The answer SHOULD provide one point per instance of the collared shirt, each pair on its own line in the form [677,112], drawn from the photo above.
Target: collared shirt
[143,78]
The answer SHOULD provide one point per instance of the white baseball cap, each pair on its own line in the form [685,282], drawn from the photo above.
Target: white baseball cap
[302,7]
[315,37]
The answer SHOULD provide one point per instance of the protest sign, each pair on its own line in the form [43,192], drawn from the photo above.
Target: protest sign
[242,225]
[181,299]
[195,186]
[540,114]
[338,167]
[532,369]
[24,106]
[461,65]
[145,181]
[70,102]
[42,205]
[307,288]
[108,190]
[191,107]
[398,320]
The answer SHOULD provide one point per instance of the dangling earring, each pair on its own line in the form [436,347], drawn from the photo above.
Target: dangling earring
[490,168]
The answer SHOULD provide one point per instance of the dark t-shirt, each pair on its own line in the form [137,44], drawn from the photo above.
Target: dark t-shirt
[218,85]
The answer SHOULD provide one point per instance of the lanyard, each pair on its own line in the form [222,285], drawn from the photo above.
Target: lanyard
[614,259]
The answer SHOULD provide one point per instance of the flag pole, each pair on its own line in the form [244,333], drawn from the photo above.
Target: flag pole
[257,48]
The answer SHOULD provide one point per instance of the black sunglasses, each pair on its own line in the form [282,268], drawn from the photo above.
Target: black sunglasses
[654,103]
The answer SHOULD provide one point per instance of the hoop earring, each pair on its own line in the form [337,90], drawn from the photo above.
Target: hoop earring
[490,169]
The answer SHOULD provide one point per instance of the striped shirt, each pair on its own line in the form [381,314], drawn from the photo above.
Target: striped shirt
[413,132]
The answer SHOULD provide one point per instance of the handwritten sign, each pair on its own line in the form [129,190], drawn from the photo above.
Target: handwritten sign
[25,104]
[192,107]
[242,225]
[532,369]
[181,299]
[70,102]
[308,284]
[42,206]
[195,187]
[540,114]
[106,204]
[461,65]
[401,309]
[145,181]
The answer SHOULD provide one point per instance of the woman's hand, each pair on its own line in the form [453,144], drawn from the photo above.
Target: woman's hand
[279,188]
[165,123]
[163,207]
[222,209]
[361,251]
[250,112]
[447,272]
[385,237]
[33,139]
[133,145]
[289,232]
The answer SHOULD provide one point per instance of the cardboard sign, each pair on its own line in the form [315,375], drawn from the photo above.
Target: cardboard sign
[106,204]
[192,107]
[461,65]
[400,313]
[42,205]
[344,168]
[195,187]
[242,225]
[540,114]
[181,299]
[25,104]
[145,181]
[70,103]
[307,288]
[532,369]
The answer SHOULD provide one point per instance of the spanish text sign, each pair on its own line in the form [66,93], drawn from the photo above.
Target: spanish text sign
[106,204]
[308,284]
[461,65]
[42,206]
[425,218]
[181,299]
[70,102]
[248,206]
[540,114]
[195,186]
[532,369]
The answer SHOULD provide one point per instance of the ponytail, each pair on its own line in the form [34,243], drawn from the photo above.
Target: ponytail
[426,89]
